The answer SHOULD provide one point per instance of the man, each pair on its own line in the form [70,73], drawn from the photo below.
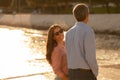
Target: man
[80,46]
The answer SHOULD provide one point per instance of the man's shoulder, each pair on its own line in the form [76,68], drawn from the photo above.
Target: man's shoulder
[70,30]
[88,28]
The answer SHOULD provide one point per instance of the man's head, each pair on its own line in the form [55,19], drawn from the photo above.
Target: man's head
[80,12]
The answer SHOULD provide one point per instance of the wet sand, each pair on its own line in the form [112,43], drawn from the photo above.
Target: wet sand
[36,67]
[108,57]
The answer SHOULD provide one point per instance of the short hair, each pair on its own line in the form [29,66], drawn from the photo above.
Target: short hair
[80,11]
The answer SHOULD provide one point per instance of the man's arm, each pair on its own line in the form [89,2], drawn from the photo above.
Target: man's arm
[90,51]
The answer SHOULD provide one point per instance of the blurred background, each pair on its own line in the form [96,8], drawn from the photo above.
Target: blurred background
[23,33]
[57,6]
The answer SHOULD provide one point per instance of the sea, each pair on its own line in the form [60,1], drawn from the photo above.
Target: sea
[22,55]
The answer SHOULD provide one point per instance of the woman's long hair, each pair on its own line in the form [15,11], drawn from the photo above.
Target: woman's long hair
[51,43]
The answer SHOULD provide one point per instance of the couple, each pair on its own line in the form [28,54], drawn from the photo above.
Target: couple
[76,58]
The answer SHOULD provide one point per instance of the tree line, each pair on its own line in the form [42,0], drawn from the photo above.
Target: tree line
[54,6]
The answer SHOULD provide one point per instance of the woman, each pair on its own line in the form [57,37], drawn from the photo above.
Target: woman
[56,53]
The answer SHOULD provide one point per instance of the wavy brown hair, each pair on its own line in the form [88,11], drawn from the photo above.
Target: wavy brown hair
[51,43]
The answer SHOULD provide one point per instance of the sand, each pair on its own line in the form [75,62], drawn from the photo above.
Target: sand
[108,45]
[99,22]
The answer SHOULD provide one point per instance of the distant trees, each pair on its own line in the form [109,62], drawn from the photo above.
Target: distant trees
[4,3]
[106,4]
[54,6]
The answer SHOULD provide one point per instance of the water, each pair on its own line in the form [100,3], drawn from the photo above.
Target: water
[22,55]
[22,52]
[108,56]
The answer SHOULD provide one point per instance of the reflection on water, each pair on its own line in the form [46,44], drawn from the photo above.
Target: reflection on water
[19,48]
[22,54]
[108,56]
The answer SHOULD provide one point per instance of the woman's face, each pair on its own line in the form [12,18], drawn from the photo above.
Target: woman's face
[58,34]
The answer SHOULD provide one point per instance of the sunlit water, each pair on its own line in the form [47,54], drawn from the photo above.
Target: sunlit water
[21,51]
[22,55]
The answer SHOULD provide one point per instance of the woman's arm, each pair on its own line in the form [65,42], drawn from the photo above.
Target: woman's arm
[57,63]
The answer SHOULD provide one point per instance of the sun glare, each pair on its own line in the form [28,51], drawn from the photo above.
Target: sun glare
[17,58]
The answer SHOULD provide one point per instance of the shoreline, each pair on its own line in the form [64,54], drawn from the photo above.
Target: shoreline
[107,52]
[99,22]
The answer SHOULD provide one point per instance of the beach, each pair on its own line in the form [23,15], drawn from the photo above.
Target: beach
[99,22]
[23,50]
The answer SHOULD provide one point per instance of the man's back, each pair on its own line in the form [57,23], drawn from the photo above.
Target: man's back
[80,45]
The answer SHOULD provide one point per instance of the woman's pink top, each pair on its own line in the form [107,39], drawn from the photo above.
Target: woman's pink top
[59,62]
